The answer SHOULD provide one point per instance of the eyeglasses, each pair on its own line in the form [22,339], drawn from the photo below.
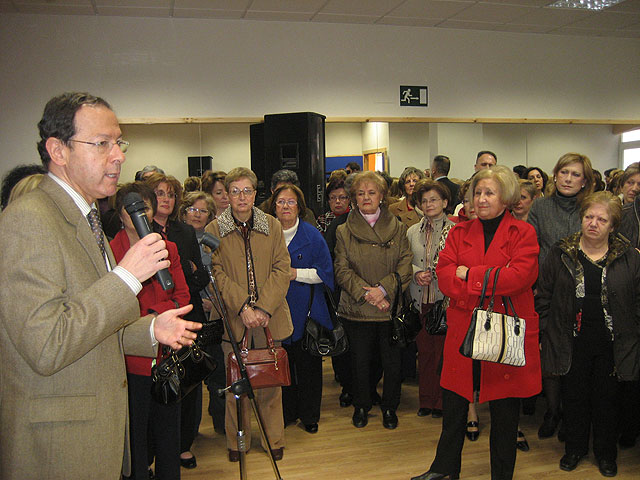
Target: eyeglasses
[235,191]
[291,202]
[162,194]
[342,198]
[203,211]
[105,146]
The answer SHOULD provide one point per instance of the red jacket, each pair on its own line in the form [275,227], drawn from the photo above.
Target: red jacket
[152,298]
[515,248]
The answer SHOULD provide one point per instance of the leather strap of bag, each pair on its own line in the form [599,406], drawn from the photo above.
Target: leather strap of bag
[493,290]
[267,334]
[310,299]
[484,287]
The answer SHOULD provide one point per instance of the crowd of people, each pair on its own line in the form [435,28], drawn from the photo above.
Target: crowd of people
[566,244]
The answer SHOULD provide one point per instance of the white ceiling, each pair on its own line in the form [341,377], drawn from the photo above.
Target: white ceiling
[523,16]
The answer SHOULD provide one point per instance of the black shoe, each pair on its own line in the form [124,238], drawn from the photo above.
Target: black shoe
[151,475]
[521,442]
[376,399]
[188,462]
[435,476]
[311,427]
[549,425]
[608,468]
[389,419]
[360,418]
[436,413]
[346,399]
[570,461]
[423,412]
[475,433]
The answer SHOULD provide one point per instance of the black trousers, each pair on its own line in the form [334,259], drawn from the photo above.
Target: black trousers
[153,428]
[190,416]
[502,440]
[367,339]
[215,381]
[302,398]
[589,396]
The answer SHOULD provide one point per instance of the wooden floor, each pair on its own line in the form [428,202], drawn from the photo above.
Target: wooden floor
[340,451]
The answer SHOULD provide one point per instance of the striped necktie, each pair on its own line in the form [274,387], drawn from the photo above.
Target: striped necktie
[96,228]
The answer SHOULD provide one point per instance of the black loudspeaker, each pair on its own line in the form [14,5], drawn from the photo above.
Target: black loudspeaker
[294,141]
[198,165]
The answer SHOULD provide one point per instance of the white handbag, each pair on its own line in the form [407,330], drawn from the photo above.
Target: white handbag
[492,336]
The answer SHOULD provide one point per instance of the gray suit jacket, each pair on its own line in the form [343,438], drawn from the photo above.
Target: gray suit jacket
[63,384]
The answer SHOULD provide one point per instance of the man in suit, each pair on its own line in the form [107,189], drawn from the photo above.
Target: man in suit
[67,311]
[439,170]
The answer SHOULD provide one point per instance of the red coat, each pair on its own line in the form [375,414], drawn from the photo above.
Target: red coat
[515,248]
[152,298]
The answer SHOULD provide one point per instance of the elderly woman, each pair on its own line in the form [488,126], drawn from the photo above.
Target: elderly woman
[404,208]
[494,239]
[630,183]
[338,204]
[197,210]
[165,221]
[252,270]
[527,194]
[588,300]
[554,217]
[153,427]
[213,184]
[427,239]
[311,265]
[368,290]
[539,178]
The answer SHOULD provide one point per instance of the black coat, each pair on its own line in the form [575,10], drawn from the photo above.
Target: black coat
[557,306]
[630,223]
[454,188]
[184,236]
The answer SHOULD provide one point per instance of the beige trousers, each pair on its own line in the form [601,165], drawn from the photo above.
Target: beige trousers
[268,400]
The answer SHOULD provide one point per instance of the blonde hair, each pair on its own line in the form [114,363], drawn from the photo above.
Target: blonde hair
[25,186]
[609,200]
[192,197]
[240,172]
[506,180]
[368,176]
[589,178]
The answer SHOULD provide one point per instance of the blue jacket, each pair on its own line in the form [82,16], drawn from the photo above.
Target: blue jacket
[309,250]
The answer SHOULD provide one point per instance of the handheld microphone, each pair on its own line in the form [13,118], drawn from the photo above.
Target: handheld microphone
[135,207]
[213,243]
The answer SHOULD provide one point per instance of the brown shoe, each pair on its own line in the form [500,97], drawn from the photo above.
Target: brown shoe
[234,456]
[277,453]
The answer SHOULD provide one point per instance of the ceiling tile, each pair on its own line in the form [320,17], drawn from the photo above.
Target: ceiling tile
[625,34]
[526,3]
[134,11]
[45,3]
[279,16]
[608,20]
[57,9]
[7,7]
[134,3]
[299,6]
[489,12]
[361,7]
[626,6]
[429,8]
[461,24]
[409,22]
[332,18]
[213,4]
[201,13]
[595,32]
[552,17]
[524,28]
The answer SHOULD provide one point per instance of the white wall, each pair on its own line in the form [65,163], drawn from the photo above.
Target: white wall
[154,67]
[408,147]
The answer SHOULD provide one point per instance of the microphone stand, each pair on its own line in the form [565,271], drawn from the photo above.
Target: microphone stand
[240,387]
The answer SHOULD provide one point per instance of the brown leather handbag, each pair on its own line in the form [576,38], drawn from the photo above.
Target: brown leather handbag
[266,367]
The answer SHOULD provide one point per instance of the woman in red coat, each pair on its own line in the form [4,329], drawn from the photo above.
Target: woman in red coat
[148,418]
[494,239]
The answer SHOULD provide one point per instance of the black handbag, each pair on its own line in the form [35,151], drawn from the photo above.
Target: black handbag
[436,320]
[405,318]
[492,336]
[318,340]
[183,370]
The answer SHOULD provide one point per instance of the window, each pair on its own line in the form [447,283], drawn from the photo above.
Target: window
[630,147]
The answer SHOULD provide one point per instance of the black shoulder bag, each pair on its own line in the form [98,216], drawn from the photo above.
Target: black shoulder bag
[320,341]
